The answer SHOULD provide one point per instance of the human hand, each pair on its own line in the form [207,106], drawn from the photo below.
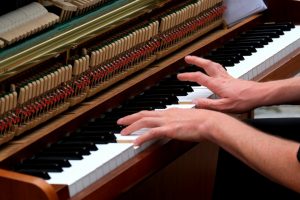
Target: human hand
[175,123]
[234,95]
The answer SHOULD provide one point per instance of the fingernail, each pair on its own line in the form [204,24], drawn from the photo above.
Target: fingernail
[136,147]
[122,132]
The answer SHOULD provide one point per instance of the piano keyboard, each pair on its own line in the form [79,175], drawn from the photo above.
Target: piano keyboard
[96,148]
[253,64]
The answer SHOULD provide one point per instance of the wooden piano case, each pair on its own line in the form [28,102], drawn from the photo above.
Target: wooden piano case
[166,170]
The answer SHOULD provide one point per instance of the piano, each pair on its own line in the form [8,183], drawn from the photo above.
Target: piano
[63,88]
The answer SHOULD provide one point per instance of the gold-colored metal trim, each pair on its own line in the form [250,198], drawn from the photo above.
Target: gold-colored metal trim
[53,46]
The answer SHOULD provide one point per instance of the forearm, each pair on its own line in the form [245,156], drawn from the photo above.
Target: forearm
[285,91]
[271,156]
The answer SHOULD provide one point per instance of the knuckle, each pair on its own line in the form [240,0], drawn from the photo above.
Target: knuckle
[143,113]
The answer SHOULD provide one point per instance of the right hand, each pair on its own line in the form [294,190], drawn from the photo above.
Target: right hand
[235,95]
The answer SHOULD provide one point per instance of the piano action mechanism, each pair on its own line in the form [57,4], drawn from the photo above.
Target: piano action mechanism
[88,64]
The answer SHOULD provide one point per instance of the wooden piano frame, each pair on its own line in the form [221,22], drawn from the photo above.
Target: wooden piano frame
[166,170]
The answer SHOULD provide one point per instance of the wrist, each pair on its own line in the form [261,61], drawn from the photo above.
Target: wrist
[214,125]
[261,93]
[277,92]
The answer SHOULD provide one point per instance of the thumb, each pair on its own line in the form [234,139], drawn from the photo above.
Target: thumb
[211,104]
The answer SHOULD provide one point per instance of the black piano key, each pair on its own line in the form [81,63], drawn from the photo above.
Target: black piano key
[86,146]
[37,173]
[250,48]
[146,107]
[237,56]
[255,44]
[224,62]
[190,68]
[98,139]
[174,86]
[145,103]
[80,139]
[177,91]
[104,126]
[242,51]
[82,150]
[104,119]
[69,155]
[266,33]
[153,95]
[166,100]
[285,26]
[60,162]
[101,126]
[177,83]
[277,31]
[122,112]
[265,38]
[69,141]
[174,82]
[260,42]
[96,131]
[232,59]
[45,167]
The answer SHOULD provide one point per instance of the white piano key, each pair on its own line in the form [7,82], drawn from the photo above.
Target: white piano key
[102,161]
[83,173]
[198,92]
[130,138]
[125,138]
[267,56]
[185,106]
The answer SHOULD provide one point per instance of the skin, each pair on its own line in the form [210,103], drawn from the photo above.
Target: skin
[271,156]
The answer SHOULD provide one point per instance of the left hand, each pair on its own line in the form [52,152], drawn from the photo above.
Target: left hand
[175,123]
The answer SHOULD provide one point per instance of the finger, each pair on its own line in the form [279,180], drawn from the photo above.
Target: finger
[200,78]
[211,68]
[212,104]
[152,134]
[129,119]
[146,122]
[193,77]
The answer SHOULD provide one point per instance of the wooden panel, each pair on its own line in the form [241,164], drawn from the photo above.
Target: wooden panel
[134,171]
[19,186]
[191,176]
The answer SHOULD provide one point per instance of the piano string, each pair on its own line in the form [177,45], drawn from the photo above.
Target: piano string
[47,93]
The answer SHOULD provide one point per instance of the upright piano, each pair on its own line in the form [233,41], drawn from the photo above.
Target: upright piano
[87,63]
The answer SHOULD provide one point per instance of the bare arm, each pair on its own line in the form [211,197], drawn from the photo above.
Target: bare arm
[236,95]
[269,155]
[273,157]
